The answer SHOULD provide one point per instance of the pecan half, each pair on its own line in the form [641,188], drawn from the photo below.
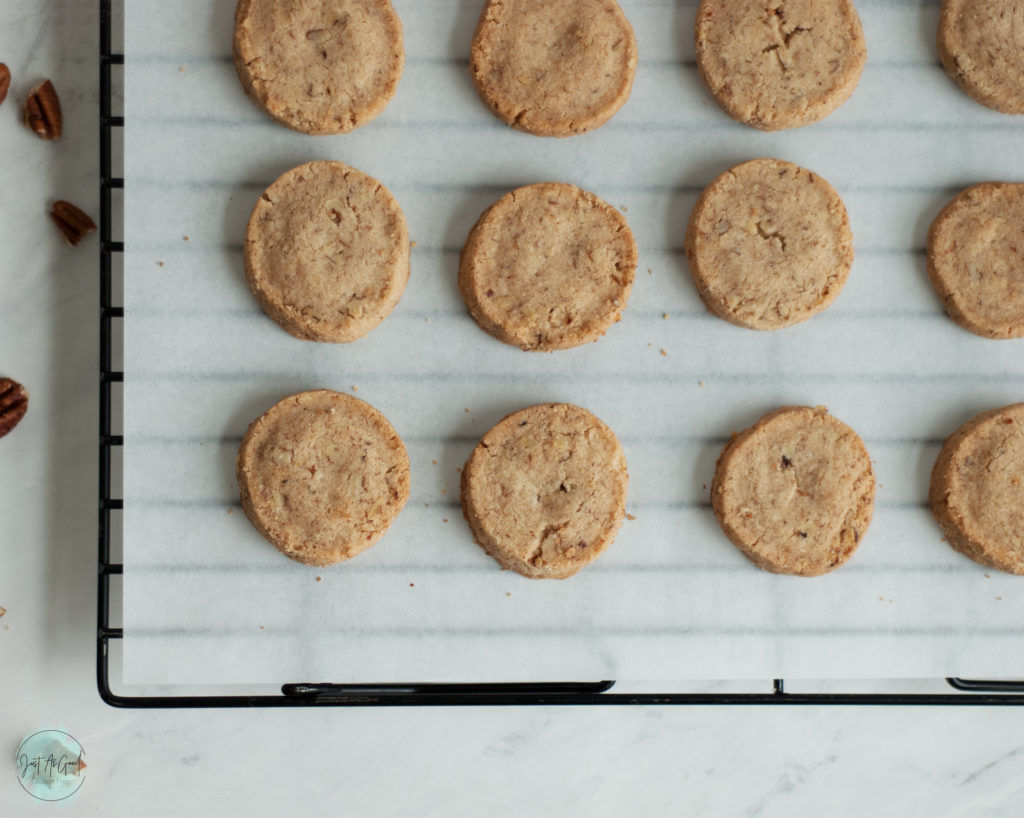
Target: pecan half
[13,404]
[74,225]
[41,113]
[5,81]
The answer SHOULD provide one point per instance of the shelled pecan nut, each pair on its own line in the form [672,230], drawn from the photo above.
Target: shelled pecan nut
[41,113]
[13,404]
[74,225]
[5,81]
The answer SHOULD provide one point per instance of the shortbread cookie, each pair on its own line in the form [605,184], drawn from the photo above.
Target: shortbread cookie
[322,476]
[777,64]
[769,244]
[976,259]
[548,266]
[795,491]
[981,43]
[319,66]
[327,252]
[977,489]
[553,67]
[544,492]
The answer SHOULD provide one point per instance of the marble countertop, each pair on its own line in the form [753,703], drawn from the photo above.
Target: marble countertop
[380,762]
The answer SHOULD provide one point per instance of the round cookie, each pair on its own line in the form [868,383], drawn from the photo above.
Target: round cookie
[779,63]
[977,489]
[544,492]
[322,475]
[769,244]
[319,66]
[553,67]
[976,259]
[548,266]
[795,491]
[981,44]
[327,252]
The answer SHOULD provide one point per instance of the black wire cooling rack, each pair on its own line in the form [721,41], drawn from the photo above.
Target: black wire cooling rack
[968,692]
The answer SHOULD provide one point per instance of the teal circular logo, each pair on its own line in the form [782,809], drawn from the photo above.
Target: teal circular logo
[49,765]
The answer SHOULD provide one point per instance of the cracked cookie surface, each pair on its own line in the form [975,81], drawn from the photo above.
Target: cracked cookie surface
[795,491]
[322,476]
[775,64]
[544,492]
[769,244]
[981,43]
[553,67]
[977,489]
[976,259]
[327,252]
[319,66]
[548,266]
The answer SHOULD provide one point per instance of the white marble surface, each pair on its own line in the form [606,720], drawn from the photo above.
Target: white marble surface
[515,761]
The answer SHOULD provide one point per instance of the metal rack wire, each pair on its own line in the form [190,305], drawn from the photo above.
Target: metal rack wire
[968,692]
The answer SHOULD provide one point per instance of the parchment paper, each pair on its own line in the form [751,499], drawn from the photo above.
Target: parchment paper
[208,600]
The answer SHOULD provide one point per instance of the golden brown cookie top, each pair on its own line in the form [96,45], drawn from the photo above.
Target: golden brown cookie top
[776,64]
[981,43]
[319,66]
[553,67]
[327,252]
[977,489]
[544,492]
[769,244]
[976,259]
[795,491]
[548,266]
[322,476]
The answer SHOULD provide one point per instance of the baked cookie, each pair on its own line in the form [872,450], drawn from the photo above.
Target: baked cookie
[327,252]
[548,266]
[777,64]
[977,489]
[319,66]
[544,492]
[976,259]
[795,491]
[553,67]
[769,244]
[322,476]
[981,44]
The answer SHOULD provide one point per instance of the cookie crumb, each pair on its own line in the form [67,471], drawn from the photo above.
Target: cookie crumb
[650,271]
[445,519]
[413,243]
[630,516]
[230,510]
[263,627]
[466,411]
[508,593]
[664,316]
[624,209]
[184,238]
[355,388]
[181,69]
[434,462]
[999,598]
[701,384]
[412,585]
[159,264]
[318,579]
[2,611]
[664,354]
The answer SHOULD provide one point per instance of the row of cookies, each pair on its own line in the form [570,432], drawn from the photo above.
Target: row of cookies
[565,67]
[322,476]
[549,266]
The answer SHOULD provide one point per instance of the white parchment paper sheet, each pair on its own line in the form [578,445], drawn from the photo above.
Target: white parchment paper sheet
[207,600]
